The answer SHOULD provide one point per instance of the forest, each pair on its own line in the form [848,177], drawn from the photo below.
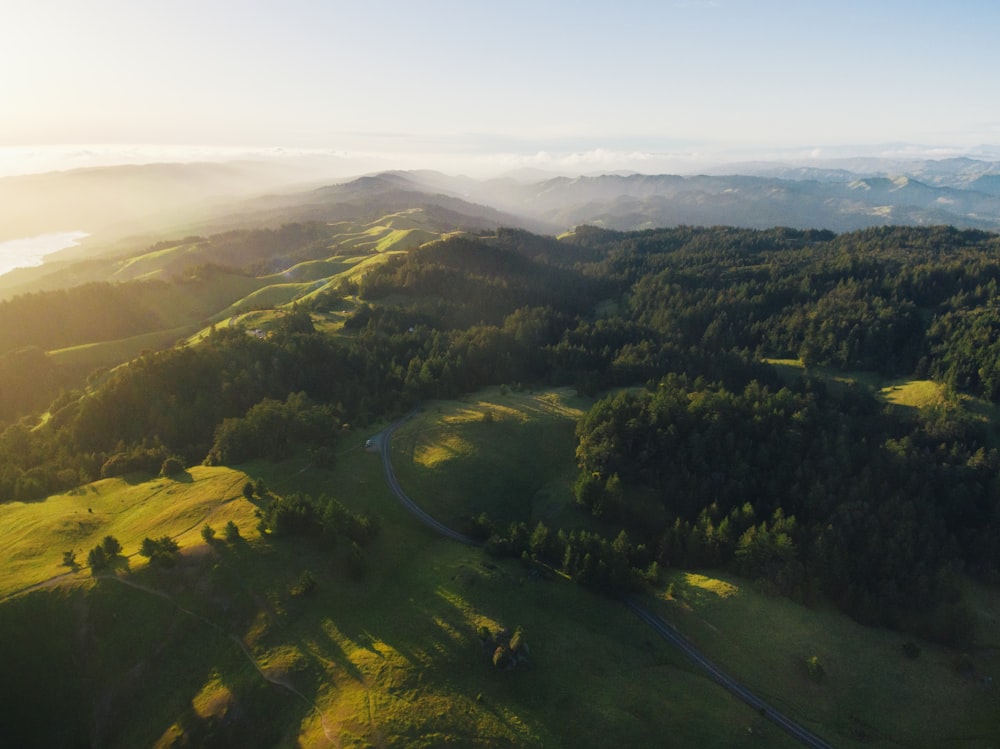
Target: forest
[697,453]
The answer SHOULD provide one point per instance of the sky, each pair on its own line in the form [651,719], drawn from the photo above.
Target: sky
[582,84]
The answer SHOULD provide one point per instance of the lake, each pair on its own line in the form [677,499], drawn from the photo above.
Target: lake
[31,251]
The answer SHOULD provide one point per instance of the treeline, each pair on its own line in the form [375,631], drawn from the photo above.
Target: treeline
[609,566]
[898,301]
[711,462]
[31,325]
[322,518]
[461,282]
[805,488]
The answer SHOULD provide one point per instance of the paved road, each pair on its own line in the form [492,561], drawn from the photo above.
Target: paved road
[383,441]
[675,638]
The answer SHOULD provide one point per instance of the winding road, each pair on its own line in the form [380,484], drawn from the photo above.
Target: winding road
[668,632]
[383,441]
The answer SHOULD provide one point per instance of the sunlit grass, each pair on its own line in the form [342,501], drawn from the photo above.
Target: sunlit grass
[914,393]
[871,692]
[34,535]
[508,454]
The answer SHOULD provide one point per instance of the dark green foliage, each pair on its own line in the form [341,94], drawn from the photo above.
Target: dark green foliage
[97,559]
[964,666]
[716,463]
[305,585]
[508,651]
[815,669]
[161,550]
[232,532]
[69,558]
[271,428]
[208,533]
[301,515]
[135,459]
[482,527]
[172,466]
[111,546]
[480,281]
[811,461]
[607,566]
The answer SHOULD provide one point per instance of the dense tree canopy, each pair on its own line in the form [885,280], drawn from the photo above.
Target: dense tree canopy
[698,452]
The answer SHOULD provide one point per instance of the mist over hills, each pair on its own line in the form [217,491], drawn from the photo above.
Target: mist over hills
[127,208]
[797,197]
[961,192]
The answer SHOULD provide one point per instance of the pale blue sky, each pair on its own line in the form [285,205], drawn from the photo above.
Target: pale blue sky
[678,77]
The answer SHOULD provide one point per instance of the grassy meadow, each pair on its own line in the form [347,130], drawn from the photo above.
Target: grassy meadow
[219,648]
[508,454]
[871,695]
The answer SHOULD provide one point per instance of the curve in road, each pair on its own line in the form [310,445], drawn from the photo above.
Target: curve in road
[384,439]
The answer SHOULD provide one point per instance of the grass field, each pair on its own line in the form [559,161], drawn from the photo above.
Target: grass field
[35,534]
[219,649]
[510,455]
[153,657]
[872,694]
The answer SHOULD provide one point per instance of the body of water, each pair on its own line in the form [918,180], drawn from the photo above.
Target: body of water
[31,251]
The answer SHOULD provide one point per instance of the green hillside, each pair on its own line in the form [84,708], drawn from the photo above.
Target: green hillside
[175,289]
[393,658]
[781,430]
[873,694]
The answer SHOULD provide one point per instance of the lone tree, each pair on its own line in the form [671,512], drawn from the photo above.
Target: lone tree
[172,466]
[232,532]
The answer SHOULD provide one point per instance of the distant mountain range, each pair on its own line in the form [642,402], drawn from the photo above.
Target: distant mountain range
[961,192]
[125,208]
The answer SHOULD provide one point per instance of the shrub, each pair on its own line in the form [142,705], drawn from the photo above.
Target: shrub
[172,466]
[69,559]
[517,640]
[815,669]
[482,527]
[141,459]
[501,656]
[208,533]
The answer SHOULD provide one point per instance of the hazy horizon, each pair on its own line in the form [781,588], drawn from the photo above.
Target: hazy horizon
[313,163]
[466,88]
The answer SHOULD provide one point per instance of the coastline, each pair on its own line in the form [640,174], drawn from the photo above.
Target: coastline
[30,252]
